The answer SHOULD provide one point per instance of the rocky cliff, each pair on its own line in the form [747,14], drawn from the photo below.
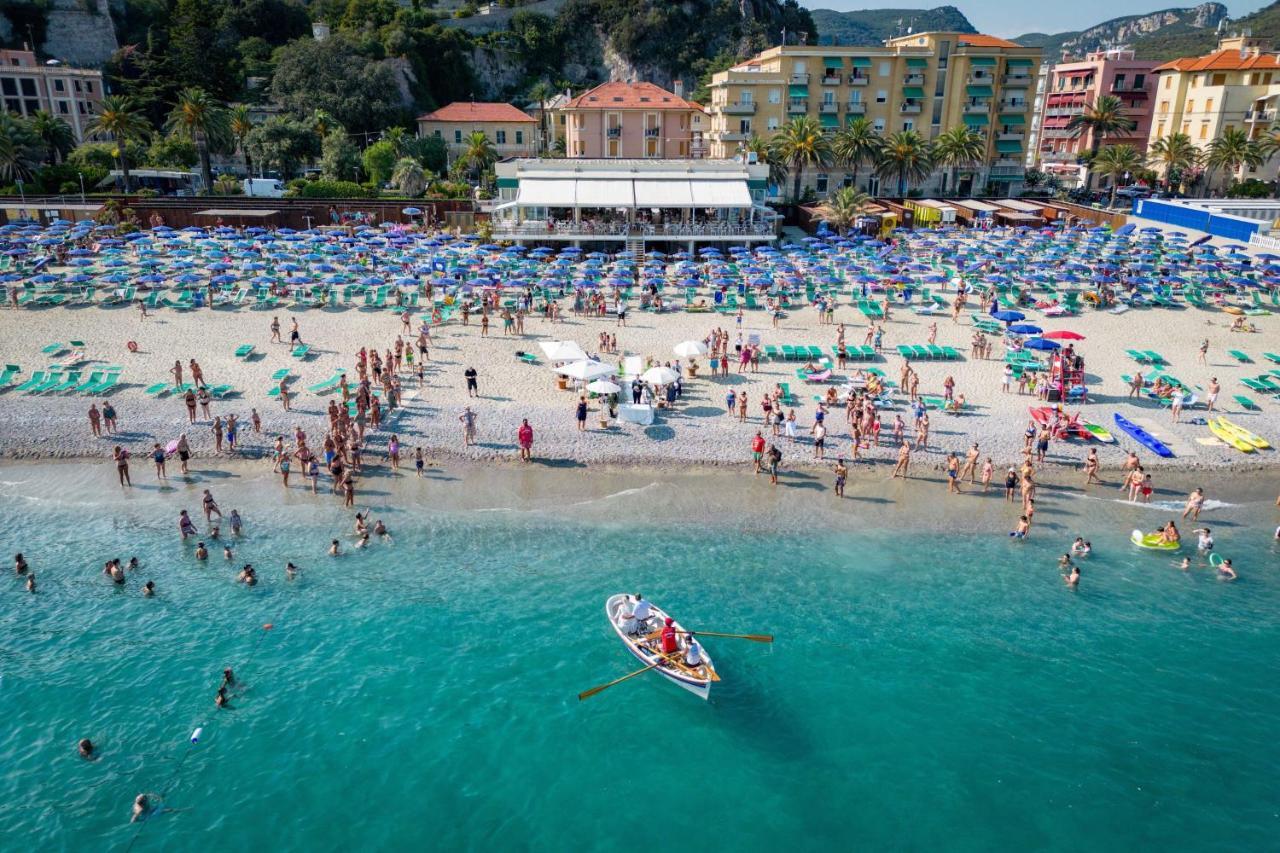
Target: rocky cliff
[1132,30]
[79,32]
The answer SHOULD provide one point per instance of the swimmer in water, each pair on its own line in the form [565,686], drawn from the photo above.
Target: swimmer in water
[236,524]
[20,564]
[133,563]
[149,589]
[1080,547]
[1226,572]
[1072,578]
[334,548]
[202,553]
[1023,526]
[226,552]
[141,808]
[1205,540]
[247,575]
[379,528]
[215,532]
[1064,562]
[361,526]
[31,582]
[185,526]
[290,571]
[1185,564]
[220,699]
[86,748]
[228,677]
[363,541]
[113,571]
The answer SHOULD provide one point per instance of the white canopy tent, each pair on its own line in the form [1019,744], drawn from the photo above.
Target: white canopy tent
[615,192]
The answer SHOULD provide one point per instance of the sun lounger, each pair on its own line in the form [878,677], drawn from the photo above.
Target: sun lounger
[157,390]
[1271,357]
[110,381]
[1239,356]
[1154,357]
[53,350]
[10,371]
[51,379]
[220,391]
[787,397]
[36,380]
[69,383]
[326,386]
[301,351]
[772,353]
[282,373]
[527,357]
[244,351]
[1246,403]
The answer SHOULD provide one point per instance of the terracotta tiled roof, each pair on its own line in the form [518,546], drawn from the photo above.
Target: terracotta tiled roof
[629,96]
[979,40]
[1223,60]
[469,111]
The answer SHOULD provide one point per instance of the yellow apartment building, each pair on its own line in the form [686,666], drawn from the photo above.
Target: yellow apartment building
[925,82]
[1235,87]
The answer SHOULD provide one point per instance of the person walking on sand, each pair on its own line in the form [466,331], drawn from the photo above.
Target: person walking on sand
[1211,394]
[472,377]
[842,474]
[904,461]
[95,421]
[121,457]
[774,459]
[970,468]
[757,450]
[295,335]
[176,370]
[468,419]
[953,474]
[524,437]
[1202,358]
[1091,468]
[197,374]
[580,414]
[157,456]
[1195,503]
[275,330]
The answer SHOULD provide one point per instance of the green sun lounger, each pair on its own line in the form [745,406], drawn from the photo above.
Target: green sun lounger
[906,351]
[110,381]
[772,353]
[1137,356]
[69,383]
[301,351]
[282,373]
[10,371]
[53,349]
[1271,357]
[1246,403]
[220,391]
[1239,356]
[51,380]
[244,351]
[788,352]
[527,357]
[788,398]
[1154,357]
[157,390]
[326,386]
[36,380]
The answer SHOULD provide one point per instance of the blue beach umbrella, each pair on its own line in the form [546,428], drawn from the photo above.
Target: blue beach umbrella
[1042,344]
[1009,316]
[1025,329]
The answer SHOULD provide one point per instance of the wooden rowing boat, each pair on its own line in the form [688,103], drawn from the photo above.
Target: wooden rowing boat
[646,647]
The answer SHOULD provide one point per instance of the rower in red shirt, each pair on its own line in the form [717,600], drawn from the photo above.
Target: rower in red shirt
[669,645]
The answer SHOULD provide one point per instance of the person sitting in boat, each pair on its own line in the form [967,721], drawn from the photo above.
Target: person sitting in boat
[669,642]
[693,653]
[1169,534]
[636,621]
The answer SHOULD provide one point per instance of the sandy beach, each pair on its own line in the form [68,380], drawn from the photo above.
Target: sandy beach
[697,431]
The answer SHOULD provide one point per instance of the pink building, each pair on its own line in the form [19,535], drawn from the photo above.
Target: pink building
[634,121]
[1073,85]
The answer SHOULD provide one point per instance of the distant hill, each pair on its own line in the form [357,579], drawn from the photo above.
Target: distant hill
[872,26]
[1157,35]
[1160,45]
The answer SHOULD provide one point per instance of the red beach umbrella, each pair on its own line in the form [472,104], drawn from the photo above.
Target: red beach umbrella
[1063,335]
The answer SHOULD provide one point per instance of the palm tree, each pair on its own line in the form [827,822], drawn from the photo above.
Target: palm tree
[1100,119]
[323,124]
[226,185]
[478,153]
[843,207]
[1116,161]
[200,117]
[856,144]
[240,125]
[907,156]
[1232,149]
[542,92]
[120,118]
[397,137]
[759,146]
[20,149]
[958,148]
[800,143]
[1174,153]
[409,177]
[54,133]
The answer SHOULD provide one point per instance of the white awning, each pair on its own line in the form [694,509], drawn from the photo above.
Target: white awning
[720,193]
[663,194]
[536,192]
[608,193]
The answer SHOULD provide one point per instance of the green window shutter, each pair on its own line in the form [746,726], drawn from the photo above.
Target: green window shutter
[798,91]
[917,62]
[1009,147]
[1015,118]
[861,61]
[978,91]
[916,92]
[508,183]
[828,120]
[1017,62]
[982,60]
[832,62]
[976,120]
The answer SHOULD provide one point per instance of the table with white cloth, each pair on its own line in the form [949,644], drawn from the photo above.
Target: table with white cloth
[633,414]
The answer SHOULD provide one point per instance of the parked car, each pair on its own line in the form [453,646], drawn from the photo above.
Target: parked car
[263,187]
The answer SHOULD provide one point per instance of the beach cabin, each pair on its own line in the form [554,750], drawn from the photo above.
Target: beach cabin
[931,213]
[977,214]
[1015,212]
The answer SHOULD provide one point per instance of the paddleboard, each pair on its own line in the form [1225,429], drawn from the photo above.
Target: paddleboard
[1098,432]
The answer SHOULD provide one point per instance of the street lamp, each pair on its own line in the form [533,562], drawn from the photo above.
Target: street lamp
[81,174]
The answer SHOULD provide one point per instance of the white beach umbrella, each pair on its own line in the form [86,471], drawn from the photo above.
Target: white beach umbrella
[586,370]
[689,349]
[562,350]
[660,376]
[603,386]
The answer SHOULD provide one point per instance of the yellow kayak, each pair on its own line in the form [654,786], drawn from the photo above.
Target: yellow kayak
[1229,436]
[1253,438]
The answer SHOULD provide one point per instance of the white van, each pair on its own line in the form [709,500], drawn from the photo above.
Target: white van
[263,187]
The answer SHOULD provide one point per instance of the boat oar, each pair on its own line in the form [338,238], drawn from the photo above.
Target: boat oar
[755,638]
[586,694]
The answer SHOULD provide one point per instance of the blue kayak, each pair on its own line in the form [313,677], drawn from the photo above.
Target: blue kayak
[1140,435]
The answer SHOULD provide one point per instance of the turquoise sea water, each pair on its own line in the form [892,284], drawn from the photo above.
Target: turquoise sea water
[931,687]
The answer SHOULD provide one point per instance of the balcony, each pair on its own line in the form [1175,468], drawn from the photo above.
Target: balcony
[800,79]
[830,79]
[1016,80]
[1010,136]
[910,109]
[739,109]
[613,132]
[1013,106]
[652,132]
[975,107]
[1007,168]
[980,79]
[798,105]
[830,108]
[856,108]
[1260,115]
[733,136]
[858,79]
[913,79]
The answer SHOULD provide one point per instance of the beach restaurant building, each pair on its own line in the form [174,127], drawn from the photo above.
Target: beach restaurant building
[637,204]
